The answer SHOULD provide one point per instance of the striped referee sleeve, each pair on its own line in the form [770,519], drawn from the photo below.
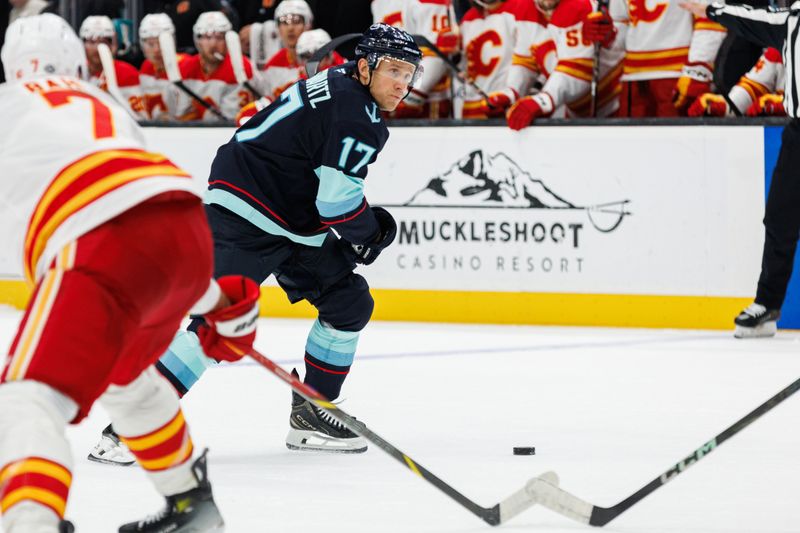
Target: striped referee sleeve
[768,28]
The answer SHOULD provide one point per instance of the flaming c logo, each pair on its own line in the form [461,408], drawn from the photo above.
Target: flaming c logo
[475,64]
[640,12]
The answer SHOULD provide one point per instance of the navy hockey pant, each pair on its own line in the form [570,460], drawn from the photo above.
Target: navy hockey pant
[321,275]
[781,221]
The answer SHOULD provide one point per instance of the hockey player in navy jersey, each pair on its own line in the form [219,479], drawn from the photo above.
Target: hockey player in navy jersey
[286,197]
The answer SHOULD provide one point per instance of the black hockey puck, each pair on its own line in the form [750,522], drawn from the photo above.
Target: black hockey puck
[523,450]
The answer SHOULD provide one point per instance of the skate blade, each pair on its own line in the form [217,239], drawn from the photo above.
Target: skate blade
[325,450]
[768,329]
[109,462]
[311,441]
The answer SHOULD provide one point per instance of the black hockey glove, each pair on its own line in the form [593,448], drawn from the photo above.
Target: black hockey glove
[367,253]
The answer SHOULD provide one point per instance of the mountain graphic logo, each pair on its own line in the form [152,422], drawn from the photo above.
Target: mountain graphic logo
[480,180]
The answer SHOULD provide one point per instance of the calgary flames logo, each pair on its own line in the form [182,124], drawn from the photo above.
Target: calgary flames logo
[641,13]
[476,66]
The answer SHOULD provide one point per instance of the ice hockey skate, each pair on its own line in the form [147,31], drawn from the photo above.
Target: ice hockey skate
[312,429]
[756,321]
[111,451]
[193,511]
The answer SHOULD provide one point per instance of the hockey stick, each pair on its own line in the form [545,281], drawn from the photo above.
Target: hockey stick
[313,62]
[257,45]
[421,40]
[498,514]
[110,73]
[562,502]
[596,65]
[237,61]
[170,57]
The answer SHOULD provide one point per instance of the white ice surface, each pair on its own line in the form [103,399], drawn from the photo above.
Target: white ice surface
[608,409]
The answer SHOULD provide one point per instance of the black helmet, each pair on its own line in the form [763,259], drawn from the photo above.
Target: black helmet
[382,40]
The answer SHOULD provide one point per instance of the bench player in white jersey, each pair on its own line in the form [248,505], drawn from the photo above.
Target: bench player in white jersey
[160,95]
[434,20]
[209,73]
[534,56]
[388,11]
[669,57]
[114,242]
[293,17]
[488,32]
[99,29]
[570,82]
[309,42]
[759,92]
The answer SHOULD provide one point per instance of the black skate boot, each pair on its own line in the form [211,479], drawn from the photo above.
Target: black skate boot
[193,511]
[313,429]
[756,321]
[66,527]
[111,451]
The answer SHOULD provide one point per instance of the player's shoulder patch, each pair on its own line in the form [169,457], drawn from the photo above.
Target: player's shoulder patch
[570,12]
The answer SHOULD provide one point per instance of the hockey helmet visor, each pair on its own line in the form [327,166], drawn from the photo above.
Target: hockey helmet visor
[398,70]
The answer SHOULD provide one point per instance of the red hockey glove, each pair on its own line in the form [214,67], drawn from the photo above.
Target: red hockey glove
[502,100]
[709,104]
[770,105]
[229,332]
[448,42]
[528,109]
[686,90]
[598,27]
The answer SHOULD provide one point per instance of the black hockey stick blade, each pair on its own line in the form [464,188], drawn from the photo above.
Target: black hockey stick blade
[498,514]
[556,499]
[313,63]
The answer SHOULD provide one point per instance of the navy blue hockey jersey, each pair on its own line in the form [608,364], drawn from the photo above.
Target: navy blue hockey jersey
[297,168]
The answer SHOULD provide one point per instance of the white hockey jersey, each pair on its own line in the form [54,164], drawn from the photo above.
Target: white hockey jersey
[570,82]
[129,86]
[766,76]
[429,18]
[535,55]
[71,159]
[220,88]
[160,95]
[488,38]
[280,73]
[663,40]
[389,12]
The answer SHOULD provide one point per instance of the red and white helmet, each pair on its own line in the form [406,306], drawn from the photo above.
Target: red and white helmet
[211,22]
[155,24]
[97,27]
[310,41]
[295,7]
[42,45]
